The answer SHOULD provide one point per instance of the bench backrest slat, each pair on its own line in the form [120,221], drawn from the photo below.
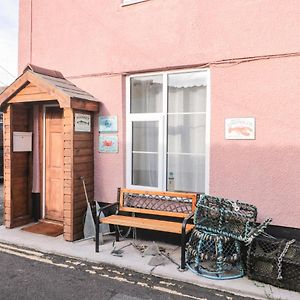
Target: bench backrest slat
[169,204]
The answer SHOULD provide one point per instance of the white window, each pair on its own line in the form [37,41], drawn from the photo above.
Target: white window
[168,131]
[127,2]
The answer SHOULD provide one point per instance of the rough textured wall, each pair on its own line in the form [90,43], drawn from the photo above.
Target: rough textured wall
[109,167]
[103,38]
[264,171]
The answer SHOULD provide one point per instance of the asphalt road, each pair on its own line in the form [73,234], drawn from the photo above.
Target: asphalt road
[27,274]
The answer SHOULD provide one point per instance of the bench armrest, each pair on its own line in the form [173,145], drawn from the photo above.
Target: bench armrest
[185,221]
[106,207]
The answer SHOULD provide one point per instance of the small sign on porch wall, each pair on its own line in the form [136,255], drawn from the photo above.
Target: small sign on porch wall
[240,129]
[108,124]
[82,122]
[108,143]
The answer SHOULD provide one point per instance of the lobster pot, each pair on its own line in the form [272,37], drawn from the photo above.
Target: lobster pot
[226,217]
[274,261]
[214,256]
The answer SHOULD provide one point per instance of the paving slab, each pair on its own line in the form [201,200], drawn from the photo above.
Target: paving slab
[132,259]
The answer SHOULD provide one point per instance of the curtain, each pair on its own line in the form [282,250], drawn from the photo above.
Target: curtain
[146,97]
[186,131]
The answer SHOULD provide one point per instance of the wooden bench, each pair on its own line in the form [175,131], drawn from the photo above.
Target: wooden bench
[176,208]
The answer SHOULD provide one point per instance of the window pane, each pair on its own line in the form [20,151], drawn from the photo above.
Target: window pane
[188,173]
[145,169]
[186,133]
[145,136]
[146,94]
[187,92]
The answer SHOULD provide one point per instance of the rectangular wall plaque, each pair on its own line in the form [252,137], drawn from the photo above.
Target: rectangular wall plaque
[240,129]
[82,122]
[108,124]
[108,143]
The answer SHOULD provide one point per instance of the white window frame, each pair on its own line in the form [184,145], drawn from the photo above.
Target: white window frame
[162,118]
[142,117]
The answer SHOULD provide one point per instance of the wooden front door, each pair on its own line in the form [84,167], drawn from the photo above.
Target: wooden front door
[54,181]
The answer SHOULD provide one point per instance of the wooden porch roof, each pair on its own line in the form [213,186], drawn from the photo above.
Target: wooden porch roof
[40,84]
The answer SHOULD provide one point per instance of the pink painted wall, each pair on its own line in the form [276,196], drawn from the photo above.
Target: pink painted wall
[89,42]
[264,171]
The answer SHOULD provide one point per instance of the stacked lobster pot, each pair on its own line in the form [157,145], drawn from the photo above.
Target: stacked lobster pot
[275,261]
[221,226]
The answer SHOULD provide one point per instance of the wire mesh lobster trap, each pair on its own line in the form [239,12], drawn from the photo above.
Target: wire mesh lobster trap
[229,218]
[214,256]
[274,261]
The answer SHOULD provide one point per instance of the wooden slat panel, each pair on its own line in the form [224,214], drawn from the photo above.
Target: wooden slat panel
[79,213]
[83,137]
[84,159]
[89,185]
[78,220]
[79,188]
[21,177]
[157,225]
[83,144]
[21,221]
[32,98]
[78,235]
[7,168]
[88,175]
[68,167]
[80,205]
[85,105]
[83,165]
[30,89]
[78,167]
[154,212]
[16,86]
[79,196]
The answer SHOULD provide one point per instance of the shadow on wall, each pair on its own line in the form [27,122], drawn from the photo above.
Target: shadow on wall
[267,177]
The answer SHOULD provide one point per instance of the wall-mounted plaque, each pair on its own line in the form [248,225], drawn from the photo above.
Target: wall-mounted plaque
[82,122]
[108,124]
[240,129]
[108,143]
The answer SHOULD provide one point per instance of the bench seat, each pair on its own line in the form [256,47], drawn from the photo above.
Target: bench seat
[177,210]
[150,224]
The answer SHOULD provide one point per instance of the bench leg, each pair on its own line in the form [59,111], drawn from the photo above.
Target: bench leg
[117,233]
[183,241]
[97,233]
